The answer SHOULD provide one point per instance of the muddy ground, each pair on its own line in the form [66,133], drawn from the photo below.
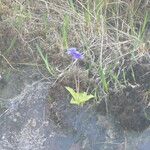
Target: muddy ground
[41,109]
[131,105]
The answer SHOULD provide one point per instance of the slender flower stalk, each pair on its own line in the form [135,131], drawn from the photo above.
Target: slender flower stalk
[76,55]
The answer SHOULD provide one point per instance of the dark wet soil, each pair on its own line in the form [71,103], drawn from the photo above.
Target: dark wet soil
[130,105]
[141,75]
[129,108]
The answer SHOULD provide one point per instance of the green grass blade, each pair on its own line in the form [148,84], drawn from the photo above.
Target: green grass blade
[45,59]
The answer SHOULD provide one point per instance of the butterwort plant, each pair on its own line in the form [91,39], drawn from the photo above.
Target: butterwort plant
[78,98]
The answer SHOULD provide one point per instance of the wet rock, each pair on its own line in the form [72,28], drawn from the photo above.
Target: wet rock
[12,82]
[144,146]
[143,141]
[22,124]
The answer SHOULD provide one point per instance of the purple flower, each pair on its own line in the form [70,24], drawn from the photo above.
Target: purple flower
[75,54]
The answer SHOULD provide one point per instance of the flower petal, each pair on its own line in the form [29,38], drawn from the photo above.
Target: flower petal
[75,54]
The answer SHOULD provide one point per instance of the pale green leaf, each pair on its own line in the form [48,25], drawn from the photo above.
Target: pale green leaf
[73,101]
[72,92]
[79,98]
